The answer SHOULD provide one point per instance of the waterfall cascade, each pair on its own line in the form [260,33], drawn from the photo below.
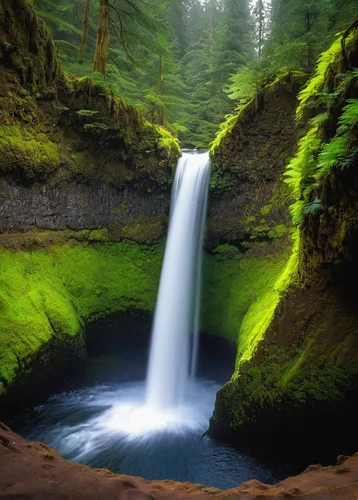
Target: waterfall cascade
[176,322]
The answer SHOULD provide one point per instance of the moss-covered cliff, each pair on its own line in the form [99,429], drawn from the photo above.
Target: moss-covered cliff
[57,127]
[252,245]
[72,155]
[84,195]
[299,383]
[248,196]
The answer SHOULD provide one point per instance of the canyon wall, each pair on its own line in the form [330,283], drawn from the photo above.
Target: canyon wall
[298,384]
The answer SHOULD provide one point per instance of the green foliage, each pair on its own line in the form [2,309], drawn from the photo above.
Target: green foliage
[316,84]
[336,152]
[314,206]
[242,85]
[331,155]
[349,117]
[87,113]
[303,163]
[301,169]
[318,154]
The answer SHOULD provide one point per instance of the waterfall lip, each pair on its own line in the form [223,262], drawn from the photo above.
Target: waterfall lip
[196,151]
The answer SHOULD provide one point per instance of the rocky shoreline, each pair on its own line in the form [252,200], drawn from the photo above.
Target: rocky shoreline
[37,471]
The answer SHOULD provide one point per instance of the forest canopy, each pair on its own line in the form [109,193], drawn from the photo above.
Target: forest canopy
[186,64]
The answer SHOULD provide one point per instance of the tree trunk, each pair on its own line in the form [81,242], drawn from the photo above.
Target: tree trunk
[261,27]
[100,57]
[310,57]
[85,31]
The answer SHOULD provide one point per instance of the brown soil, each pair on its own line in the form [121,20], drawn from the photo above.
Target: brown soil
[36,471]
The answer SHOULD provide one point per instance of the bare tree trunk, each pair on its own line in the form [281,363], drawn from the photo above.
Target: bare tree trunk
[85,31]
[100,57]
[261,27]
[310,58]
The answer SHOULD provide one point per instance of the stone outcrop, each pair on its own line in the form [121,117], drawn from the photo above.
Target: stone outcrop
[77,205]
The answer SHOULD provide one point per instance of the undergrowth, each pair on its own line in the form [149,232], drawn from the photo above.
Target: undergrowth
[329,142]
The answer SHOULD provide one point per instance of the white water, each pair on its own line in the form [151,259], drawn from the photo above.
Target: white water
[176,323]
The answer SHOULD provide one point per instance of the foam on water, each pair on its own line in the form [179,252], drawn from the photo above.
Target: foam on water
[91,418]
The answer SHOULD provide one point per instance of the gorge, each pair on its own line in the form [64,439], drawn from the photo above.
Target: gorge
[85,183]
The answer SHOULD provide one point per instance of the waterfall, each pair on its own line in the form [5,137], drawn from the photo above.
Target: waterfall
[176,321]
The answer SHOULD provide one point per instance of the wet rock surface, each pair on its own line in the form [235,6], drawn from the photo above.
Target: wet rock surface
[74,205]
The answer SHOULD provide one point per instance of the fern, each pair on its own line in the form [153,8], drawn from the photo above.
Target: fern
[350,159]
[297,212]
[316,83]
[349,117]
[303,164]
[331,155]
[87,112]
[313,207]
[320,119]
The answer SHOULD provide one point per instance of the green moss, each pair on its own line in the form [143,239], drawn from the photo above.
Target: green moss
[247,290]
[19,149]
[328,63]
[47,294]
[167,141]
[262,309]
[145,229]
[228,126]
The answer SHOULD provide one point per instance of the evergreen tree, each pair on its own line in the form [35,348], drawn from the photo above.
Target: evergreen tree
[187,63]
[232,43]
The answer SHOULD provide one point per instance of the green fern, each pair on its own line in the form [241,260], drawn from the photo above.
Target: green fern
[331,155]
[87,112]
[313,207]
[316,83]
[350,159]
[303,164]
[297,212]
[320,119]
[349,117]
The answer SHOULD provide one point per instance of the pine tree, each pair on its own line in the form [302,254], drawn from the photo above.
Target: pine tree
[232,45]
[261,19]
